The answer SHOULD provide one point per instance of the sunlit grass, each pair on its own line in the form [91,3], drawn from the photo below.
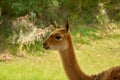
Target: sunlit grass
[93,58]
[99,55]
[32,68]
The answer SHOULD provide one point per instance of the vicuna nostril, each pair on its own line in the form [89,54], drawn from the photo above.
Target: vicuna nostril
[44,44]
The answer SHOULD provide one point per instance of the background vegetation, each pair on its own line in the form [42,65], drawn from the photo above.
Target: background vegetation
[95,28]
[98,14]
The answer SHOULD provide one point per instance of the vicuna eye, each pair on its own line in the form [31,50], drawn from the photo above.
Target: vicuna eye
[57,37]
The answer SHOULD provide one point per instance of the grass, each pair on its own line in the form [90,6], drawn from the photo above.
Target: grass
[93,58]
[32,68]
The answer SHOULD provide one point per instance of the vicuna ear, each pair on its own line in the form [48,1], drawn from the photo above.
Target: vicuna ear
[67,25]
[56,25]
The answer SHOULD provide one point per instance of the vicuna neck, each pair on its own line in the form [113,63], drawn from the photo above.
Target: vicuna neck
[70,64]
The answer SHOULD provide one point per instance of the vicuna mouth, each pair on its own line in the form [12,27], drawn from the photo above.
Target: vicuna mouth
[46,47]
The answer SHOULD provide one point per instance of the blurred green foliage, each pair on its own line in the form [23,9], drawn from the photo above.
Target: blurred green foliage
[95,14]
[60,9]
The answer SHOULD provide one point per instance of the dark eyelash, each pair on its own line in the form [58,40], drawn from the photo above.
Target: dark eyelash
[57,37]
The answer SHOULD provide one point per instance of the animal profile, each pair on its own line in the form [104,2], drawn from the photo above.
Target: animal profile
[60,40]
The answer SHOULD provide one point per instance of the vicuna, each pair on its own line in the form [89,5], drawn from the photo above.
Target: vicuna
[60,40]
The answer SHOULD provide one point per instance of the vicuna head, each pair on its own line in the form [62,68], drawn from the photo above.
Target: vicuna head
[58,39]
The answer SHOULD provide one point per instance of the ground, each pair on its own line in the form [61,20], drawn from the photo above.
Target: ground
[93,58]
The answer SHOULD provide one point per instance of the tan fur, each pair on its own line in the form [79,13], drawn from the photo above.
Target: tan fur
[70,64]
